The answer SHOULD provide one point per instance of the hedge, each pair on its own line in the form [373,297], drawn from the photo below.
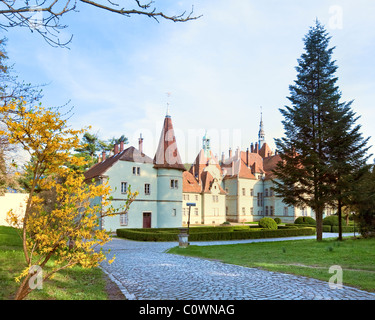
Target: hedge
[138,234]
[345,229]
[326,228]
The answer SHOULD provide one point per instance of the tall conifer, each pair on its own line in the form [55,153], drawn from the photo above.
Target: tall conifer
[320,146]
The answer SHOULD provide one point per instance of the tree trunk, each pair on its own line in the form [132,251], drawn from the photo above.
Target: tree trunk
[24,289]
[319,224]
[339,213]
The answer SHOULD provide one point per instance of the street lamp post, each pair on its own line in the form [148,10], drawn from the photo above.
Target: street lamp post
[190,204]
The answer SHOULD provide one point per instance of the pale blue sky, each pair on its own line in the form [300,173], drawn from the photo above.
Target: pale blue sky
[220,69]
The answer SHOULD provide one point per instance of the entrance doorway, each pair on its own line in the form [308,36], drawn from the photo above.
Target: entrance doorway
[146,219]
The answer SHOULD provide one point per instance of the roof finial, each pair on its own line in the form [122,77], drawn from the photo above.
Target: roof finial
[168,95]
[261,135]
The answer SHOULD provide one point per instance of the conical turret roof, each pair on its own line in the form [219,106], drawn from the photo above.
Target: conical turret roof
[167,155]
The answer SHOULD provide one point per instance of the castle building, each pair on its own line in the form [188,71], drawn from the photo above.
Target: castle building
[236,189]
[158,181]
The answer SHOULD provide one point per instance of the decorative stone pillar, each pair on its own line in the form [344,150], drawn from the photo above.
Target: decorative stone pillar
[183,238]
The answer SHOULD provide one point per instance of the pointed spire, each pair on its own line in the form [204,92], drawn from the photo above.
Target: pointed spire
[167,155]
[261,134]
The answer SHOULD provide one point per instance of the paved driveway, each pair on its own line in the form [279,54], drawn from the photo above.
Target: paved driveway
[144,271]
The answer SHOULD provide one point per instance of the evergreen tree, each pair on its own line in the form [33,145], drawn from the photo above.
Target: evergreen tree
[348,155]
[320,146]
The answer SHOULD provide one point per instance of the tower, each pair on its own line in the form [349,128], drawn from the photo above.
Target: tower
[206,146]
[167,162]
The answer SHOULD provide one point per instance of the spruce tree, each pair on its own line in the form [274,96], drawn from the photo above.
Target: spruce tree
[347,151]
[319,136]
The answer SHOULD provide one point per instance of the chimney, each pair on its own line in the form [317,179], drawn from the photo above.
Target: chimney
[121,146]
[230,152]
[103,155]
[222,157]
[252,147]
[247,156]
[115,148]
[140,143]
[256,147]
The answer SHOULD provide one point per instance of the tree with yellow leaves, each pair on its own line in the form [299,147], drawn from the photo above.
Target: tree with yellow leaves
[69,233]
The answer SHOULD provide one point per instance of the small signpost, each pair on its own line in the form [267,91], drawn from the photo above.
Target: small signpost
[183,237]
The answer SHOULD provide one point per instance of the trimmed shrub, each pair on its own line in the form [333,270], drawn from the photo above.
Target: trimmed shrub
[305,220]
[326,228]
[268,223]
[139,235]
[345,229]
[277,220]
[333,221]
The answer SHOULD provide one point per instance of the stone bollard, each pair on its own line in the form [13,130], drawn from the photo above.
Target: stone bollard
[183,238]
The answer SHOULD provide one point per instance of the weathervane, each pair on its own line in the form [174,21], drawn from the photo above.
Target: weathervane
[168,95]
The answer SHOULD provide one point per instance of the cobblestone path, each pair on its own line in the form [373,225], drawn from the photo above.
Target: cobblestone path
[144,271]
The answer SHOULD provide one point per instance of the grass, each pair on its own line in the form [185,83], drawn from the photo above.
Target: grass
[300,257]
[75,283]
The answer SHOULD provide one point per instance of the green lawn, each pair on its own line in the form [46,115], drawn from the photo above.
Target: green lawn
[76,283]
[301,257]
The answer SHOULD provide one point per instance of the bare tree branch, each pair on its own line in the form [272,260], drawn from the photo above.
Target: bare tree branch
[44,17]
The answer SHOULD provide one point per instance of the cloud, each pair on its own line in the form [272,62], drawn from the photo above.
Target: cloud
[220,69]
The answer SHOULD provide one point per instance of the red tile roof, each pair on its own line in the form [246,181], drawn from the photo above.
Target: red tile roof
[201,162]
[130,154]
[208,181]
[189,183]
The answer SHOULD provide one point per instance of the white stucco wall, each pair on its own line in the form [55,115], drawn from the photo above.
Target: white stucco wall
[15,201]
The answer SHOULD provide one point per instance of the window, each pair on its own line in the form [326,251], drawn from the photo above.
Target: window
[266,193]
[266,210]
[226,210]
[186,197]
[147,189]
[215,198]
[136,171]
[251,210]
[304,211]
[124,187]
[285,211]
[196,197]
[252,192]
[196,211]
[174,184]
[260,199]
[271,211]
[123,219]
[184,210]
[271,192]
[243,210]
[243,191]
[174,212]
